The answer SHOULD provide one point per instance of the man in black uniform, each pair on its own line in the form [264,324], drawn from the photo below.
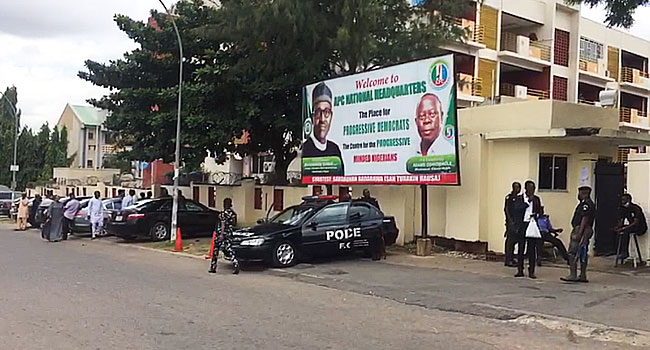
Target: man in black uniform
[631,221]
[582,222]
[369,199]
[317,145]
[514,209]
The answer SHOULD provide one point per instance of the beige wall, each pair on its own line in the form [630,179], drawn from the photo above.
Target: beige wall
[71,174]
[72,124]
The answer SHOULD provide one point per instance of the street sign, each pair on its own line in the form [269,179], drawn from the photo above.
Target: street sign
[14,167]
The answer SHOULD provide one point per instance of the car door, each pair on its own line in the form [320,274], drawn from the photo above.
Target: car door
[365,223]
[324,234]
[201,219]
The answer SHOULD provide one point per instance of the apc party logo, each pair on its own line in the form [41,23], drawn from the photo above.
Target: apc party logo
[439,74]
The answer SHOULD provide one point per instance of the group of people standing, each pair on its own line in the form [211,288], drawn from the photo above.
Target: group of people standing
[528,228]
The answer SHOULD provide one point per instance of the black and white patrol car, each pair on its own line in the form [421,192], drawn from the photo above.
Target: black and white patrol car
[318,227]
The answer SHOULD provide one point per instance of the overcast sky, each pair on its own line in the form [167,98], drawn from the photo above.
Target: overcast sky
[43,44]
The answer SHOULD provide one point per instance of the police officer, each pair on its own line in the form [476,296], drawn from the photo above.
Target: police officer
[223,241]
[582,222]
[513,208]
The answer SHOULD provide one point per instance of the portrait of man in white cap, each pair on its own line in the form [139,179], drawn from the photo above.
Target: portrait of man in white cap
[430,120]
[317,145]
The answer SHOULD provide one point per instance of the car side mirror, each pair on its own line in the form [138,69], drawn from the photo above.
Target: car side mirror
[261,221]
[313,225]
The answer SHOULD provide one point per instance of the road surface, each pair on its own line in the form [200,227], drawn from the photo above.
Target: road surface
[99,295]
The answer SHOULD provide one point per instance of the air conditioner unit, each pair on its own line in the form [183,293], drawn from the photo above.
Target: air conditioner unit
[268,167]
[521,91]
[523,45]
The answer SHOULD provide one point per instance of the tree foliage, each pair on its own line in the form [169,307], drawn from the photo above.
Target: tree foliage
[245,64]
[620,13]
[37,153]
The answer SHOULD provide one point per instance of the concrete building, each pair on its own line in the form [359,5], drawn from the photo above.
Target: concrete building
[87,138]
[544,49]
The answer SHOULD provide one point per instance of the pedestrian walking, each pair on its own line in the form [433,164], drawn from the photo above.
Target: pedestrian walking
[34,209]
[70,210]
[582,222]
[96,215]
[528,241]
[223,242]
[631,221]
[513,208]
[23,212]
[53,227]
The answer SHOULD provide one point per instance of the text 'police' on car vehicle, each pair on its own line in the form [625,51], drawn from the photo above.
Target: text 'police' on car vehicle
[318,227]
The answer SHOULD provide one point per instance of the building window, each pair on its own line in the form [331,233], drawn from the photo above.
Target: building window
[590,50]
[196,193]
[562,47]
[552,172]
[212,197]
[257,202]
[278,199]
[91,135]
[92,148]
[89,163]
[560,86]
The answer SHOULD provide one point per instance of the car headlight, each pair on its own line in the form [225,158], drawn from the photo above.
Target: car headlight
[253,242]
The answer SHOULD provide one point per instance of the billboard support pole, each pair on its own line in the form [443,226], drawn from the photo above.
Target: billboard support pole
[423,243]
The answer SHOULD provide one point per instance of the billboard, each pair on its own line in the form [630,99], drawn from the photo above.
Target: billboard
[395,125]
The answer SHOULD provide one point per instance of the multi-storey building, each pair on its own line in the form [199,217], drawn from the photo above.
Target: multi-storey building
[545,49]
[87,138]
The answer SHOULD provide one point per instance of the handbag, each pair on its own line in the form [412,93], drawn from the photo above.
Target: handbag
[532,231]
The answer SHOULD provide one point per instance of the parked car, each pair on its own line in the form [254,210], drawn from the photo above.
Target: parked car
[151,218]
[40,217]
[318,227]
[81,223]
[6,202]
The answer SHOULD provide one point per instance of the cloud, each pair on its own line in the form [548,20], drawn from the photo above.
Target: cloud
[45,44]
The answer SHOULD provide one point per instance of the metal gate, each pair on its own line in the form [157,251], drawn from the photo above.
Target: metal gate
[610,183]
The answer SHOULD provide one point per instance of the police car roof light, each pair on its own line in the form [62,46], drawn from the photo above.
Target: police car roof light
[319,198]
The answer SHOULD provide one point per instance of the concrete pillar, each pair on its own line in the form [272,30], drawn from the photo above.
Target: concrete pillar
[587,177]
[638,173]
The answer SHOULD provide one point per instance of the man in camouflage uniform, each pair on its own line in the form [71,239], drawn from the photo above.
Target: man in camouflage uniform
[223,241]
[582,222]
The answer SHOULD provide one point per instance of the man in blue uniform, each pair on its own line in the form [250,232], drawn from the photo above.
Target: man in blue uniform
[582,222]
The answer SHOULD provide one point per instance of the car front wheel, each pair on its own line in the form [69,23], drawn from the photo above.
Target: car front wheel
[159,231]
[284,254]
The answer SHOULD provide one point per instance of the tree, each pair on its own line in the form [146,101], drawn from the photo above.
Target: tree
[246,64]
[620,13]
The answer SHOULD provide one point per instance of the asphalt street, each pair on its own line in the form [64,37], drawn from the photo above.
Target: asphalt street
[100,295]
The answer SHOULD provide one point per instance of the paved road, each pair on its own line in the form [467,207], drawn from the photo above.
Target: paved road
[83,295]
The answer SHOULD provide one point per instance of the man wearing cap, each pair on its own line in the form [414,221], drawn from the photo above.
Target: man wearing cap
[582,222]
[317,145]
[430,119]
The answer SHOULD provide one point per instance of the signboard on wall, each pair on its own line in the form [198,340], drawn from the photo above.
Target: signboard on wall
[395,125]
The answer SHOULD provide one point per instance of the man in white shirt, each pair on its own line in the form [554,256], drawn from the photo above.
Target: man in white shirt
[533,211]
[96,214]
[127,201]
[430,120]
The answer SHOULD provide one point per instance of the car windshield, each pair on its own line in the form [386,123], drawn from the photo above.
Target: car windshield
[292,216]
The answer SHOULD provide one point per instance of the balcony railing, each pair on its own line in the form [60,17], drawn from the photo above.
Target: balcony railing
[634,76]
[469,85]
[508,89]
[633,116]
[586,102]
[476,32]
[540,49]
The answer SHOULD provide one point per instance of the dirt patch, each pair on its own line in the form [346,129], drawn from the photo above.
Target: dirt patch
[194,246]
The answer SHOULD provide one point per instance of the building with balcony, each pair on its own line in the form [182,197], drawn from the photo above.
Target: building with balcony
[545,49]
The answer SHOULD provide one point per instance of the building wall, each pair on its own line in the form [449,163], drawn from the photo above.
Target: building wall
[69,175]
[73,126]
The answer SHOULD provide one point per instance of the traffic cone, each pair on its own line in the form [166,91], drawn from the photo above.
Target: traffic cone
[179,241]
[214,236]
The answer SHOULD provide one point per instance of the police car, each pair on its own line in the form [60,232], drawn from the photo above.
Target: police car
[318,227]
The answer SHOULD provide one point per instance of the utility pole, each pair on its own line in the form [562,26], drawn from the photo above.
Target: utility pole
[14,166]
[177,161]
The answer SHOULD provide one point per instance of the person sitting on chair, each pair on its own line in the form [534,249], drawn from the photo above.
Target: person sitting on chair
[549,234]
[631,221]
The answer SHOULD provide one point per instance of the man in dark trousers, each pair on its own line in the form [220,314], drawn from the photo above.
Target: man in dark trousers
[513,208]
[369,199]
[582,222]
[532,212]
[631,221]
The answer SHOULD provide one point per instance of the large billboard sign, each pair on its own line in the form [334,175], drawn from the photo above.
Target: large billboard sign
[395,125]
